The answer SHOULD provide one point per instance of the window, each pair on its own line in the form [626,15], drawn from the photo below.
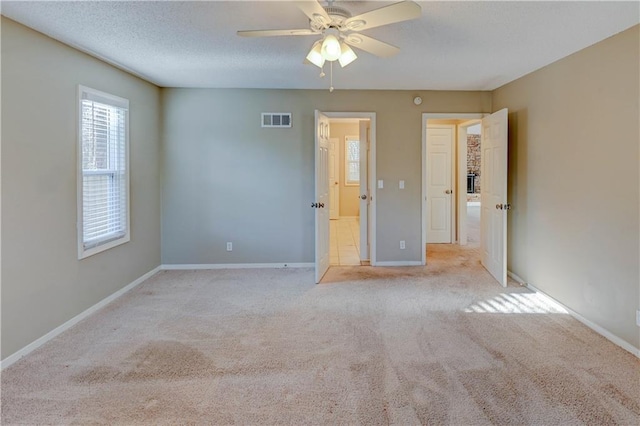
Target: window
[103,172]
[352,160]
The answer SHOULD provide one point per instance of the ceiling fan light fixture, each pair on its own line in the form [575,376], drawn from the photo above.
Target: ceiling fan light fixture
[347,55]
[315,55]
[331,50]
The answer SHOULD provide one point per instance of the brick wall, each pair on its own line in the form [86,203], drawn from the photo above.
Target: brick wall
[473,158]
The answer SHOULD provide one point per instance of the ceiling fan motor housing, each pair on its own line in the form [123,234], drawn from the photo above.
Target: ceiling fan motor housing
[337,14]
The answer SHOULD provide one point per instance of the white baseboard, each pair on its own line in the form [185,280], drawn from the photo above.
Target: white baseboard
[595,327]
[73,321]
[182,267]
[517,278]
[400,263]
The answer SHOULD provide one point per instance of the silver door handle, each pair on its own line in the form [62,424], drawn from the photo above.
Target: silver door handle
[499,206]
[363,197]
[448,191]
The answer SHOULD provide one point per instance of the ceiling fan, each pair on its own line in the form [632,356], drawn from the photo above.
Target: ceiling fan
[340,30]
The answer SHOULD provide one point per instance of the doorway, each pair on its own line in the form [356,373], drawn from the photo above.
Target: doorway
[350,227]
[444,170]
[344,182]
[493,192]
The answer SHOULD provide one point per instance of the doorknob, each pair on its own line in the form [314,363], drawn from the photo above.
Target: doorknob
[499,206]
[448,191]
[363,196]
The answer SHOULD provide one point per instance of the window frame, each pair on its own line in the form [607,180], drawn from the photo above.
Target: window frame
[115,101]
[348,139]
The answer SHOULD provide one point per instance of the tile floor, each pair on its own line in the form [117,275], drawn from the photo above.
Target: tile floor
[345,241]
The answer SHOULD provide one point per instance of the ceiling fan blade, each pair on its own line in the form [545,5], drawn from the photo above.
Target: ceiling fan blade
[397,12]
[315,12]
[275,33]
[371,45]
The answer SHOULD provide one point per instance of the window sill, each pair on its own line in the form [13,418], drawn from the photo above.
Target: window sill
[84,253]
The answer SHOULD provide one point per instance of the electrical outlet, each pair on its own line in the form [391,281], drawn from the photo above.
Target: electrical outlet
[401,184]
[229,246]
[638,317]
[402,245]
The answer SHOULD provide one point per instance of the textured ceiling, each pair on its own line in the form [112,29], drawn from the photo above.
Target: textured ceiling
[454,46]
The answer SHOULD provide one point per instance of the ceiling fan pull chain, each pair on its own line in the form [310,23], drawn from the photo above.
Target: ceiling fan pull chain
[331,87]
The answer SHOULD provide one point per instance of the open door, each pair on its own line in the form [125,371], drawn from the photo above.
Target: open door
[321,203]
[334,178]
[493,226]
[365,193]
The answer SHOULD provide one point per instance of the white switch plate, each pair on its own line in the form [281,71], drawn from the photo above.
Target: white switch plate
[380,184]
[638,317]
[401,184]
[229,246]
[402,245]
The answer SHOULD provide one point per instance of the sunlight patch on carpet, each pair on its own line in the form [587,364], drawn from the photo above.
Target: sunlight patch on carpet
[517,303]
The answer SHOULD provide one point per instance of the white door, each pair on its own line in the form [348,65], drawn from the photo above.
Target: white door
[321,202]
[365,193]
[439,183]
[334,178]
[493,219]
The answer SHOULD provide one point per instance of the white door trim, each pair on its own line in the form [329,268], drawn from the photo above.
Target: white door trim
[364,205]
[371,116]
[425,117]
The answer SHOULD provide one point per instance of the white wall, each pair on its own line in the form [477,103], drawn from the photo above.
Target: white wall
[43,282]
[573,181]
[227,179]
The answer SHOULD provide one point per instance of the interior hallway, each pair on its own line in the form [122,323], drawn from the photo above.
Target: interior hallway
[344,241]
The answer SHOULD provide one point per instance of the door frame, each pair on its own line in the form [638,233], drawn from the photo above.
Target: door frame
[371,116]
[446,116]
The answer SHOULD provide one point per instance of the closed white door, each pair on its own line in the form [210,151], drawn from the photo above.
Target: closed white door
[334,176]
[365,193]
[322,202]
[439,183]
[493,170]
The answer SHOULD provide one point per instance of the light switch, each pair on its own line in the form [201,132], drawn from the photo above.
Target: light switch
[401,184]
[380,184]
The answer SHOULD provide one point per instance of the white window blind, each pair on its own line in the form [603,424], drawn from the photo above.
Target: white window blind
[352,160]
[104,175]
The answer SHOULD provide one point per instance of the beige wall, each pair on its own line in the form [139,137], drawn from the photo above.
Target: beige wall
[43,282]
[349,201]
[573,181]
[227,179]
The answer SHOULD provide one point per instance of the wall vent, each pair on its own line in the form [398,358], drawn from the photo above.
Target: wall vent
[276,119]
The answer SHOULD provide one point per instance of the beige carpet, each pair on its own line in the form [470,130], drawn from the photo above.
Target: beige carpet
[438,345]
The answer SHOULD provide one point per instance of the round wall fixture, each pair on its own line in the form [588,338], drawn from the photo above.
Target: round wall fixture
[417,100]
